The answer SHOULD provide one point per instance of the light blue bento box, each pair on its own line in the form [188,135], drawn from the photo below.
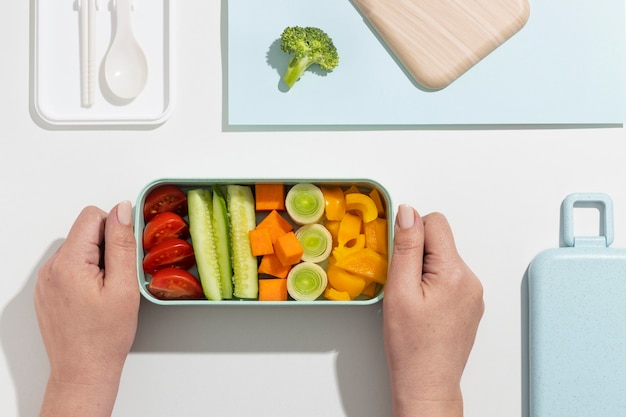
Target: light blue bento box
[363,185]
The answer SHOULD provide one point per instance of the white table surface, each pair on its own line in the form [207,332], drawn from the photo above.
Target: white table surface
[499,187]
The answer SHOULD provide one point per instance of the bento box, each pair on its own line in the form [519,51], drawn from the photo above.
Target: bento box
[263,241]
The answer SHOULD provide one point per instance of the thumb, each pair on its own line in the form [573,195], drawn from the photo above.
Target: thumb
[119,250]
[405,270]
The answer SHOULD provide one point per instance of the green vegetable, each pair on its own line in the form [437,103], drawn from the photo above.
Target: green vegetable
[316,241]
[240,202]
[309,45]
[200,206]
[305,203]
[221,228]
[306,281]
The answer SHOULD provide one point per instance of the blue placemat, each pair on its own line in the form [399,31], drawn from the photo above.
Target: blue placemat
[566,66]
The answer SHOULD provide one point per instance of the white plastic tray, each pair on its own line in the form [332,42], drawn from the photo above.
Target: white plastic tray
[56,65]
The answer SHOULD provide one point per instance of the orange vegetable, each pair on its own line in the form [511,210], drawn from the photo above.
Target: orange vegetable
[270,265]
[335,203]
[333,228]
[269,196]
[341,251]
[380,206]
[376,235]
[342,280]
[334,295]
[276,224]
[261,242]
[273,289]
[349,228]
[367,263]
[288,249]
[352,189]
[370,289]
[363,204]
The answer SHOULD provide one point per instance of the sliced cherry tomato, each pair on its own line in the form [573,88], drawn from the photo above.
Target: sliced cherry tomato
[174,284]
[177,253]
[164,226]
[165,198]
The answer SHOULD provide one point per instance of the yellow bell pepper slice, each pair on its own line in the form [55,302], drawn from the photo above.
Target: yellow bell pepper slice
[335,203]
[334,295]
[378,200]
[349,228]
[363,204]
[342,280]
[367,263]
[353,245]
[376,235]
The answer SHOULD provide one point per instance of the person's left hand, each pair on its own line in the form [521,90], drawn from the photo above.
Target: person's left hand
[87,302]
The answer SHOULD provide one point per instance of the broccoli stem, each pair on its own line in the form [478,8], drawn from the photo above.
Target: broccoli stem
[295,69]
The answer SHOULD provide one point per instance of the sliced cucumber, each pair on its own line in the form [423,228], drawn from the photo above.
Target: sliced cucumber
[200,207]
[240,203]
[221,228]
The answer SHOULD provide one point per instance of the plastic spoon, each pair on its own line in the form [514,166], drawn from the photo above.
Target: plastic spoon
[125,64]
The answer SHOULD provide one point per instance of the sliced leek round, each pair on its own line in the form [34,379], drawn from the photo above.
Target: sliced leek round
[316,241]
[305,203]
[306,281]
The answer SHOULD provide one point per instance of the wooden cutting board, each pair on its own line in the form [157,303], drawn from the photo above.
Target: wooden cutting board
[438,40]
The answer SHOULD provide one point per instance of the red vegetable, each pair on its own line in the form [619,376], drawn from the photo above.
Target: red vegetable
[173,252]
[163,226]
[174,284]
[165,198]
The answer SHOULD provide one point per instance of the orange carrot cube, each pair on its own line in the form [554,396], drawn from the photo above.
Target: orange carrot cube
[260,242]
[269,196]
[273,289]
[276,224]
[270,265]
[288,249]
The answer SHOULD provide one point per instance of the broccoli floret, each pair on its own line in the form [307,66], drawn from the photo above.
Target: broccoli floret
[309,45]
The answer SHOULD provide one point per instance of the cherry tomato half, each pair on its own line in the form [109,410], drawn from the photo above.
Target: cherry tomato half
[177,253]
[175,284]
[165,198]
[164,226]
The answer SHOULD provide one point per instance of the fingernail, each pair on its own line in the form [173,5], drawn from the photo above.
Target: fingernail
[124,215]
[406,216]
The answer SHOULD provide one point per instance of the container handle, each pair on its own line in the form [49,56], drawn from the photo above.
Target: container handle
[600,201]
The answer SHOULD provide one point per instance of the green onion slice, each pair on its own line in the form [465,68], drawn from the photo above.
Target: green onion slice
[316,241]
[306,281]
[305,203]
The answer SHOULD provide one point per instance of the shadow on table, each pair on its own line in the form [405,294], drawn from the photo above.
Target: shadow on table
[22,345]
[353,332]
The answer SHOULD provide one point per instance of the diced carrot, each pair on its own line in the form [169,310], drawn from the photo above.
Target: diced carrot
[288,249]
[270,265]
[270,196]
[332,294]
[376,235]
[273,289]
[276,224]
[261,242]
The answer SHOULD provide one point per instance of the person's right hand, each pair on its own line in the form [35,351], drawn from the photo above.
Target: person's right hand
[431,310]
